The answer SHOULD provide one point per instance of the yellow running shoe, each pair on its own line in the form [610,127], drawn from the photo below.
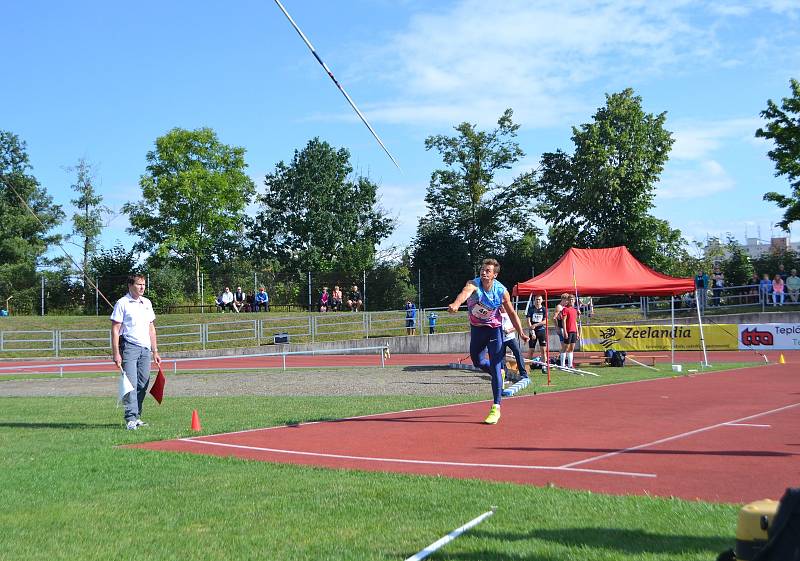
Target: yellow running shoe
[494,415]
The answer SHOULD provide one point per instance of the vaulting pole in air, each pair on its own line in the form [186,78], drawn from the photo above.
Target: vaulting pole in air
[335,81]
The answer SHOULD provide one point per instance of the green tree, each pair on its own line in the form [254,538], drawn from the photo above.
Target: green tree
[87,223]
[601,195]
[24,238]
[783,128]
[467,200]
[441,259]
[315,216]
[737,267]
[194,195]
[110,268]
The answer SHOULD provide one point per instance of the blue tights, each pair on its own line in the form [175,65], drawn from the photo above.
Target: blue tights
[490,339]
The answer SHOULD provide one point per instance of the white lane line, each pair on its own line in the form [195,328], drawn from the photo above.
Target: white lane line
[747,425]
[421,462]
[677,436]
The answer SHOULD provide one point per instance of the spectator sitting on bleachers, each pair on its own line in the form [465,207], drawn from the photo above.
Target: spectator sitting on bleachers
[354,299]
[225,299]
[324,300]
[336,299]
[240,301]
[261,300]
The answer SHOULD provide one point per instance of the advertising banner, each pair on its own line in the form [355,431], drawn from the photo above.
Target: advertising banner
[769,336]
[718,337]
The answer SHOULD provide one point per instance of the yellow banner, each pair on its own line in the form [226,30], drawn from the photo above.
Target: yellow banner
[657,337]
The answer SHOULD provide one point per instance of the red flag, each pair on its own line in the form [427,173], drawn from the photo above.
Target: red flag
[157,391]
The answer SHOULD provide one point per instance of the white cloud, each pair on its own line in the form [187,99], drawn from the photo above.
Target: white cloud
[697,140]
[477,58]
[704,179]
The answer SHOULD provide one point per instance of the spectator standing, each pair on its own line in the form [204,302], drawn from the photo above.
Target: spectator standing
[793,286]
[324,299]
[717,284]
[432,317]
[239,300]
[701,286]
[133,344]
[777,290]
[754,282]
[560,324]
[261,300]
[411,317]
[782,272]
[336,299]
[764,289]
[569,316]
[354,299]
[537,323]
[510,342]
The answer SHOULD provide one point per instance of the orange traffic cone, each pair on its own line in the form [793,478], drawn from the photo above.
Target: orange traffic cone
[196,421]
[781,360]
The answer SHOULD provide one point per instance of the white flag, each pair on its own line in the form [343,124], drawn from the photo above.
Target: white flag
[125,386]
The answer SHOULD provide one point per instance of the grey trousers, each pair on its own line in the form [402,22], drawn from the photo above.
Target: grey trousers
[136,364]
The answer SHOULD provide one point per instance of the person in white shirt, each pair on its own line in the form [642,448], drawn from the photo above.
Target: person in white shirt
[134,345]
[226,299]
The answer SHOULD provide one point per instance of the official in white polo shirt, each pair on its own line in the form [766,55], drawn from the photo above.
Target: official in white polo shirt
[134,345]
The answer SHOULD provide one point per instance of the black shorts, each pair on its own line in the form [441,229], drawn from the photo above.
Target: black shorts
[539,336]
[409,323]
[572,337]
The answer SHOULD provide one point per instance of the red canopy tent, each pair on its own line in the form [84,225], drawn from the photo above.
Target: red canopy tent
[603,272]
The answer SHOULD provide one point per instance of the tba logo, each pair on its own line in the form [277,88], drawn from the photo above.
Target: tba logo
[754,338]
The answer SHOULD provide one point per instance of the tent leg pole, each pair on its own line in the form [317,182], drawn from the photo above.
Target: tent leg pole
[700,323]
[672,338]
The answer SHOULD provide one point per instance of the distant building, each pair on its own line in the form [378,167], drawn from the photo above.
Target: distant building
[755,247]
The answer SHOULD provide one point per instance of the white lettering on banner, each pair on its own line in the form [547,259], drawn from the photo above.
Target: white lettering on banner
[769,336]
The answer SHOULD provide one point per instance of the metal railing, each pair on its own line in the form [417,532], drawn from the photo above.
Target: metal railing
[236,333]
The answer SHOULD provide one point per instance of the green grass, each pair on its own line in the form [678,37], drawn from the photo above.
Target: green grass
[70,491]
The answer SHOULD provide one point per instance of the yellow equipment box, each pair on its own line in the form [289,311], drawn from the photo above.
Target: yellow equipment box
[751,531]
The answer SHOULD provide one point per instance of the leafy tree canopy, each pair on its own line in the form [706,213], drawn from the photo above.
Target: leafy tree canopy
[783,128]
[315,216]
[601,195]
[467,200]
[194,194]
[24,238]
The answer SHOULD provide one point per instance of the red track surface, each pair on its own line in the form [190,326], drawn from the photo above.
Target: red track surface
[723,437]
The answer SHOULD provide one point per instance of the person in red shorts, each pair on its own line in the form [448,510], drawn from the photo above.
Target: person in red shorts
[569,320]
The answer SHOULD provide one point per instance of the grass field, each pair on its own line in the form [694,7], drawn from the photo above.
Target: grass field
[70,491]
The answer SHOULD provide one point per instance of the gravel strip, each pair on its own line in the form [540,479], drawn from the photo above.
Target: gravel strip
[407,380]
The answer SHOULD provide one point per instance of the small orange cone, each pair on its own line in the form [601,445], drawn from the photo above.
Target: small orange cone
[196,421]
[781,360]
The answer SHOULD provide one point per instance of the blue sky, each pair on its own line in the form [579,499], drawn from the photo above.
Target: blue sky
[102,80]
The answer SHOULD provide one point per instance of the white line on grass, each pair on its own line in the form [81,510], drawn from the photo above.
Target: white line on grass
[677,436]
[422,462]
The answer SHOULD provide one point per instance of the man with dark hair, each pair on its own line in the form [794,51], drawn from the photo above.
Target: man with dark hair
[354,299]
[485,296]
[133,344]
[537,323]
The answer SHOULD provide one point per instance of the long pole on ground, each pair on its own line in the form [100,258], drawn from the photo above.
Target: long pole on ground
[438,544]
